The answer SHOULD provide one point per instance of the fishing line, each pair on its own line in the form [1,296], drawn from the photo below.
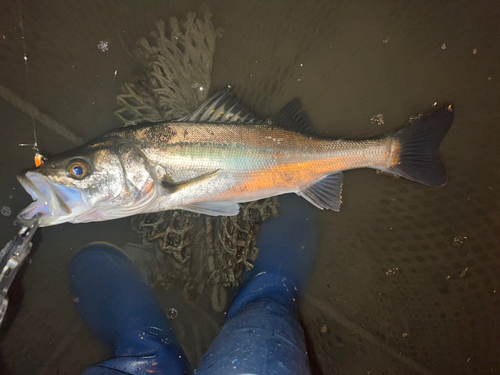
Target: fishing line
[25,56]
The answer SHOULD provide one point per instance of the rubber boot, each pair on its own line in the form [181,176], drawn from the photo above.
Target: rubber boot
[122,312]
[262,334]
[288,245]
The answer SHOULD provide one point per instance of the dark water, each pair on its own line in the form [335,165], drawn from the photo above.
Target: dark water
[407,277]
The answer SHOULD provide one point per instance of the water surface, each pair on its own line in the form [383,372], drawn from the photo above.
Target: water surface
[407,276]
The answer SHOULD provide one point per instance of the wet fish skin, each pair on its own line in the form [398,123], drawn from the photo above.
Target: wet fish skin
[253,161]
[209,168]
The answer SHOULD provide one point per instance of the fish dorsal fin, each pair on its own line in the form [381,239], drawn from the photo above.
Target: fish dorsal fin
[222,107]
[293,117]
[326,193]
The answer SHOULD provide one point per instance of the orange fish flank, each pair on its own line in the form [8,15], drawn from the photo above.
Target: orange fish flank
[298,175]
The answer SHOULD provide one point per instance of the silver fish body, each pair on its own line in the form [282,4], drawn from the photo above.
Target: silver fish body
[211,167]
[249,162]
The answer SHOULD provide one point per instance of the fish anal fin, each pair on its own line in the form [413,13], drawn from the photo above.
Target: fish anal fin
[173,187]
[293,117]
[222,208]
[326,193]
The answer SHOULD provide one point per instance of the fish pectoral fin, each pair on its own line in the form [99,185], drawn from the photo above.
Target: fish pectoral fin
[222,208]
[172,187]
[293,117]
[326,193]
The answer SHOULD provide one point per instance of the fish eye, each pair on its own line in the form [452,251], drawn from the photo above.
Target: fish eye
[78,169]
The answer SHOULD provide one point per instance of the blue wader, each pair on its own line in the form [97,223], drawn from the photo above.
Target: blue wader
[261,335]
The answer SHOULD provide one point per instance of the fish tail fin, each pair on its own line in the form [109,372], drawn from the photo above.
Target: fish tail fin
[418,142]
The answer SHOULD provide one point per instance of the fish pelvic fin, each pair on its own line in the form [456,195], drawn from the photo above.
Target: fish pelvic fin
[326,193]
[415,148]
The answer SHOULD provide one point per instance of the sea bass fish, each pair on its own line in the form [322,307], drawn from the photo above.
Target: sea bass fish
[217,157]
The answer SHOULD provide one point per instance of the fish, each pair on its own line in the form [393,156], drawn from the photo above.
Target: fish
[219,156]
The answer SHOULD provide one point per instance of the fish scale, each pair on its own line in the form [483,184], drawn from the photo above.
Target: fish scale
[259,160]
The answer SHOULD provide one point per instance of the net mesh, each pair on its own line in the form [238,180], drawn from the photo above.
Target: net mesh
[204,253]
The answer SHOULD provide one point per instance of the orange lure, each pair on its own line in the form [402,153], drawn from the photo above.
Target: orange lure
[39,159]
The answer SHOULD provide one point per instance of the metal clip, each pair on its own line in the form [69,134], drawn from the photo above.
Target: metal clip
[12,257]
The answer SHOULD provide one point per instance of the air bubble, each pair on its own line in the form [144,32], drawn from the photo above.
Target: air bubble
[458,241]
[414,119]
[462,274]
[103,45]
[378,119]
[198,86]
[172,313]
[392,271]
[6,211]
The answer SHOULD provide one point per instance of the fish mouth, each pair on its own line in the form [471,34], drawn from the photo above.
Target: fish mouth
[53,201]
